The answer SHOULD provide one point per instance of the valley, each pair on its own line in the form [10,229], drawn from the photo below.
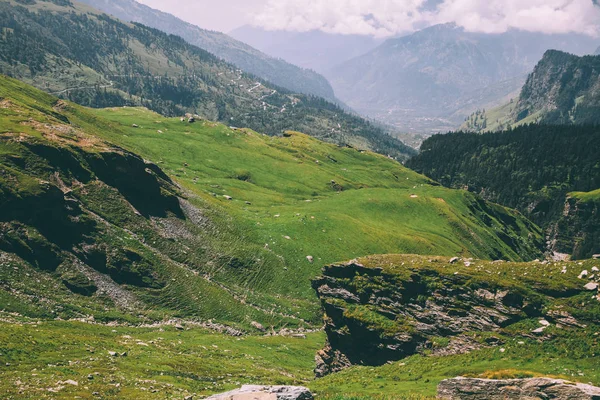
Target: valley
[185,216]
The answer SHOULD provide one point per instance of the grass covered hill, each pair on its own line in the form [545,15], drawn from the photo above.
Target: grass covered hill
[531,168]
[78,53]
[219,223]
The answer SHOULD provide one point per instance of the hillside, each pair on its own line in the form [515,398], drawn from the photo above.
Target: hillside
[80,54]
[563,89]
[597,52]
[250,60]
[232,217]
[431,80]
[531,168]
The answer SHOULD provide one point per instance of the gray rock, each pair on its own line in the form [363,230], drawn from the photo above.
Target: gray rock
[257,325]
[591,286]
[338,293]
[255,392]
[534,388]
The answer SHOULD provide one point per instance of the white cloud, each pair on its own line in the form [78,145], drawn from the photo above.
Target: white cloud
[390,17]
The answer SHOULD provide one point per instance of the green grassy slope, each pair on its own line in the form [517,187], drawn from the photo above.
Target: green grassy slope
[331,202]
[162,362]
[227,252]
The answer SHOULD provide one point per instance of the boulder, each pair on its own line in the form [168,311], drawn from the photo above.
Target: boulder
[591,286]
[255,392]
[533,388]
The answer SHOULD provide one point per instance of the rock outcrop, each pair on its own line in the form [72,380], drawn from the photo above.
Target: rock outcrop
[374,315]
[255,392]
[534,388]
[577,231]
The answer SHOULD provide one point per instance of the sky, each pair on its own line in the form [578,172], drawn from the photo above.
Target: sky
[383,18]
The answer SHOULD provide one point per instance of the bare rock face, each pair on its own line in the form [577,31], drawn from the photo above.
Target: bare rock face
[530,389]
[256,392]
[373,317]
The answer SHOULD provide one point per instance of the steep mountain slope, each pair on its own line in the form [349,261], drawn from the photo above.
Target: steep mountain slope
[531,168]
[250,60]
[597,51]
[81,54]
[424,319]
[316,50]
[432,79]
[562,89]
[231,226]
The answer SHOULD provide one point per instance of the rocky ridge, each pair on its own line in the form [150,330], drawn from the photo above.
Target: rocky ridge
[385,308]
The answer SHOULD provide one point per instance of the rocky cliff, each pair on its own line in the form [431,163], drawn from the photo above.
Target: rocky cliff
[385,308]
[563,88]
[577,231]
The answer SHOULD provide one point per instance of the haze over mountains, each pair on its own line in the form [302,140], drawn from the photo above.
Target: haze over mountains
[432,79]
[315,50]
[424,82]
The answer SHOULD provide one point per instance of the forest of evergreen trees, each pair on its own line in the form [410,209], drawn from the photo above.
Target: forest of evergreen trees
[530,168]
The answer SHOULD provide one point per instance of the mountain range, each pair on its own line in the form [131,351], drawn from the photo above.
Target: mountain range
[430,80]
[47,44]
[249,59]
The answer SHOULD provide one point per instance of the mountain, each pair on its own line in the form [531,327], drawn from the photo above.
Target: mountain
[597,51]
[533,168]
[563,89]
[431,80]
[86,56]
[317,50]
[249,59]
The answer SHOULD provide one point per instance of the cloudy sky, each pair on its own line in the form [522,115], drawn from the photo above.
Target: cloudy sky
[388,17]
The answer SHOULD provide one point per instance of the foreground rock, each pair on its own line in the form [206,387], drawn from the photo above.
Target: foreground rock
[534,388]
[254,392]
